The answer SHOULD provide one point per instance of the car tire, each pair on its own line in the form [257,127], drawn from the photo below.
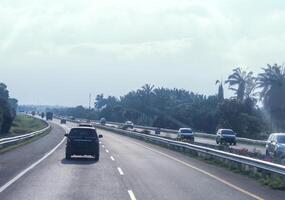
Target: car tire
[235,143]
[96,156]
[267,153]
[67,156]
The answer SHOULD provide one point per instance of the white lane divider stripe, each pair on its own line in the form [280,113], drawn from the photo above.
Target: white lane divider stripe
[103,146]
[4,187]
[112,158]
[107,150]
[132,195]
[120,171]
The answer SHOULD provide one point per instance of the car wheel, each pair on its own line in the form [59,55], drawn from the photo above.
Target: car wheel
[97,156]
[235,143]
[67,156]
[267,153]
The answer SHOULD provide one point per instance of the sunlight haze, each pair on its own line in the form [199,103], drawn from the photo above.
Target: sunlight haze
[57,52]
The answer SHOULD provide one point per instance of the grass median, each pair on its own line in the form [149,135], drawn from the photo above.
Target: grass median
[24,124]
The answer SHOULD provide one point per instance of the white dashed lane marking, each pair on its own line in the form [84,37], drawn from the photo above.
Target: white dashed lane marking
[132,195]
[120,171]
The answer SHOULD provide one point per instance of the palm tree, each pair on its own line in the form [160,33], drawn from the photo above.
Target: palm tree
[272,84]
[220,91]
[240,79]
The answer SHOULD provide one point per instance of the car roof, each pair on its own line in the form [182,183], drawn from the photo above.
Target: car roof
[277,134]
[83,128]
[223,129]
[186,129]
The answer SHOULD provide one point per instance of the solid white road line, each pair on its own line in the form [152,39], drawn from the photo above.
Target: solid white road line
[107,150]
[112,158]
[103,146]
[132,195]
[120,171]
[4,187]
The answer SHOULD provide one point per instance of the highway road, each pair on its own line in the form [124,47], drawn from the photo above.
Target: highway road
[128,169]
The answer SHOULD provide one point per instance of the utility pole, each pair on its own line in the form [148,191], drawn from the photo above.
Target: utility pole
[90,96]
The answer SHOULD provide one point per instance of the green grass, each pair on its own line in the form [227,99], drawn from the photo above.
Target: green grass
[24,124]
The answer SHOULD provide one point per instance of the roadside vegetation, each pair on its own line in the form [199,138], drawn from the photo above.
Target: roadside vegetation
[8,108]
[26,124]
[175,108]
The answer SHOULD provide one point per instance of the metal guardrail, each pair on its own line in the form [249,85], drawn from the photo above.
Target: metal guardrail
[17,139]
[250,162]
[198,134]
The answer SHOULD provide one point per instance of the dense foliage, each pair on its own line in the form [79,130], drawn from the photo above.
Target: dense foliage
[175,108]
[8,107]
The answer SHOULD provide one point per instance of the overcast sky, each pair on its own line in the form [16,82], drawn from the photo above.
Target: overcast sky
[57,52]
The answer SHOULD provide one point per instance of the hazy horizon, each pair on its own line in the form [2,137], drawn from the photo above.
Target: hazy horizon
[56,53]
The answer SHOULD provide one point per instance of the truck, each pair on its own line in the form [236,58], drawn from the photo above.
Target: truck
[49,116]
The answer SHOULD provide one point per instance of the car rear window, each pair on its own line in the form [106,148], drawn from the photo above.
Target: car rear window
[228,132]
[83,132]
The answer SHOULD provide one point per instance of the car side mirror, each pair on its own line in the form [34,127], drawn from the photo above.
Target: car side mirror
[66,135]
[100,136]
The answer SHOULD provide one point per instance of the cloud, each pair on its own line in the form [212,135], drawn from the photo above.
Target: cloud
[203,38]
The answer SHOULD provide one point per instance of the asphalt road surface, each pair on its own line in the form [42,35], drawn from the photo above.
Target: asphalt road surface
[128,169]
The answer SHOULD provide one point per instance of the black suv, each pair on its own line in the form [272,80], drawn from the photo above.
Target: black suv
[82,141]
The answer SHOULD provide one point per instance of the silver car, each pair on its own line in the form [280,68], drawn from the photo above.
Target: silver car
[185,134]
[275,145]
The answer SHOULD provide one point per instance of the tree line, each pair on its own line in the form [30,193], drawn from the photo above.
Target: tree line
[8,108]
[175,108]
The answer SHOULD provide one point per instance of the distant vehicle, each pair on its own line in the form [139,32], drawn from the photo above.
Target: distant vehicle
[85,125]
[33,113]
[43,115]
[63,121]
[157,131]
[128,124]
[185,134]
[275,145]
[49,116]
[82,141]
[225,136]
[103,121]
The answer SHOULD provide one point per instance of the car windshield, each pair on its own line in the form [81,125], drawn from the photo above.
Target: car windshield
[228,132]
[281,139]
[186,131]
[83,132]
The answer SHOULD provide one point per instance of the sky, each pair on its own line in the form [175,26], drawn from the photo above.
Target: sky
[57,52]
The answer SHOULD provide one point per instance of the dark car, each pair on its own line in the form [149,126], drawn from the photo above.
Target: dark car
[226,136]
[85,125]
[275,145]
[63,121]
[185,134]
[82,141]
